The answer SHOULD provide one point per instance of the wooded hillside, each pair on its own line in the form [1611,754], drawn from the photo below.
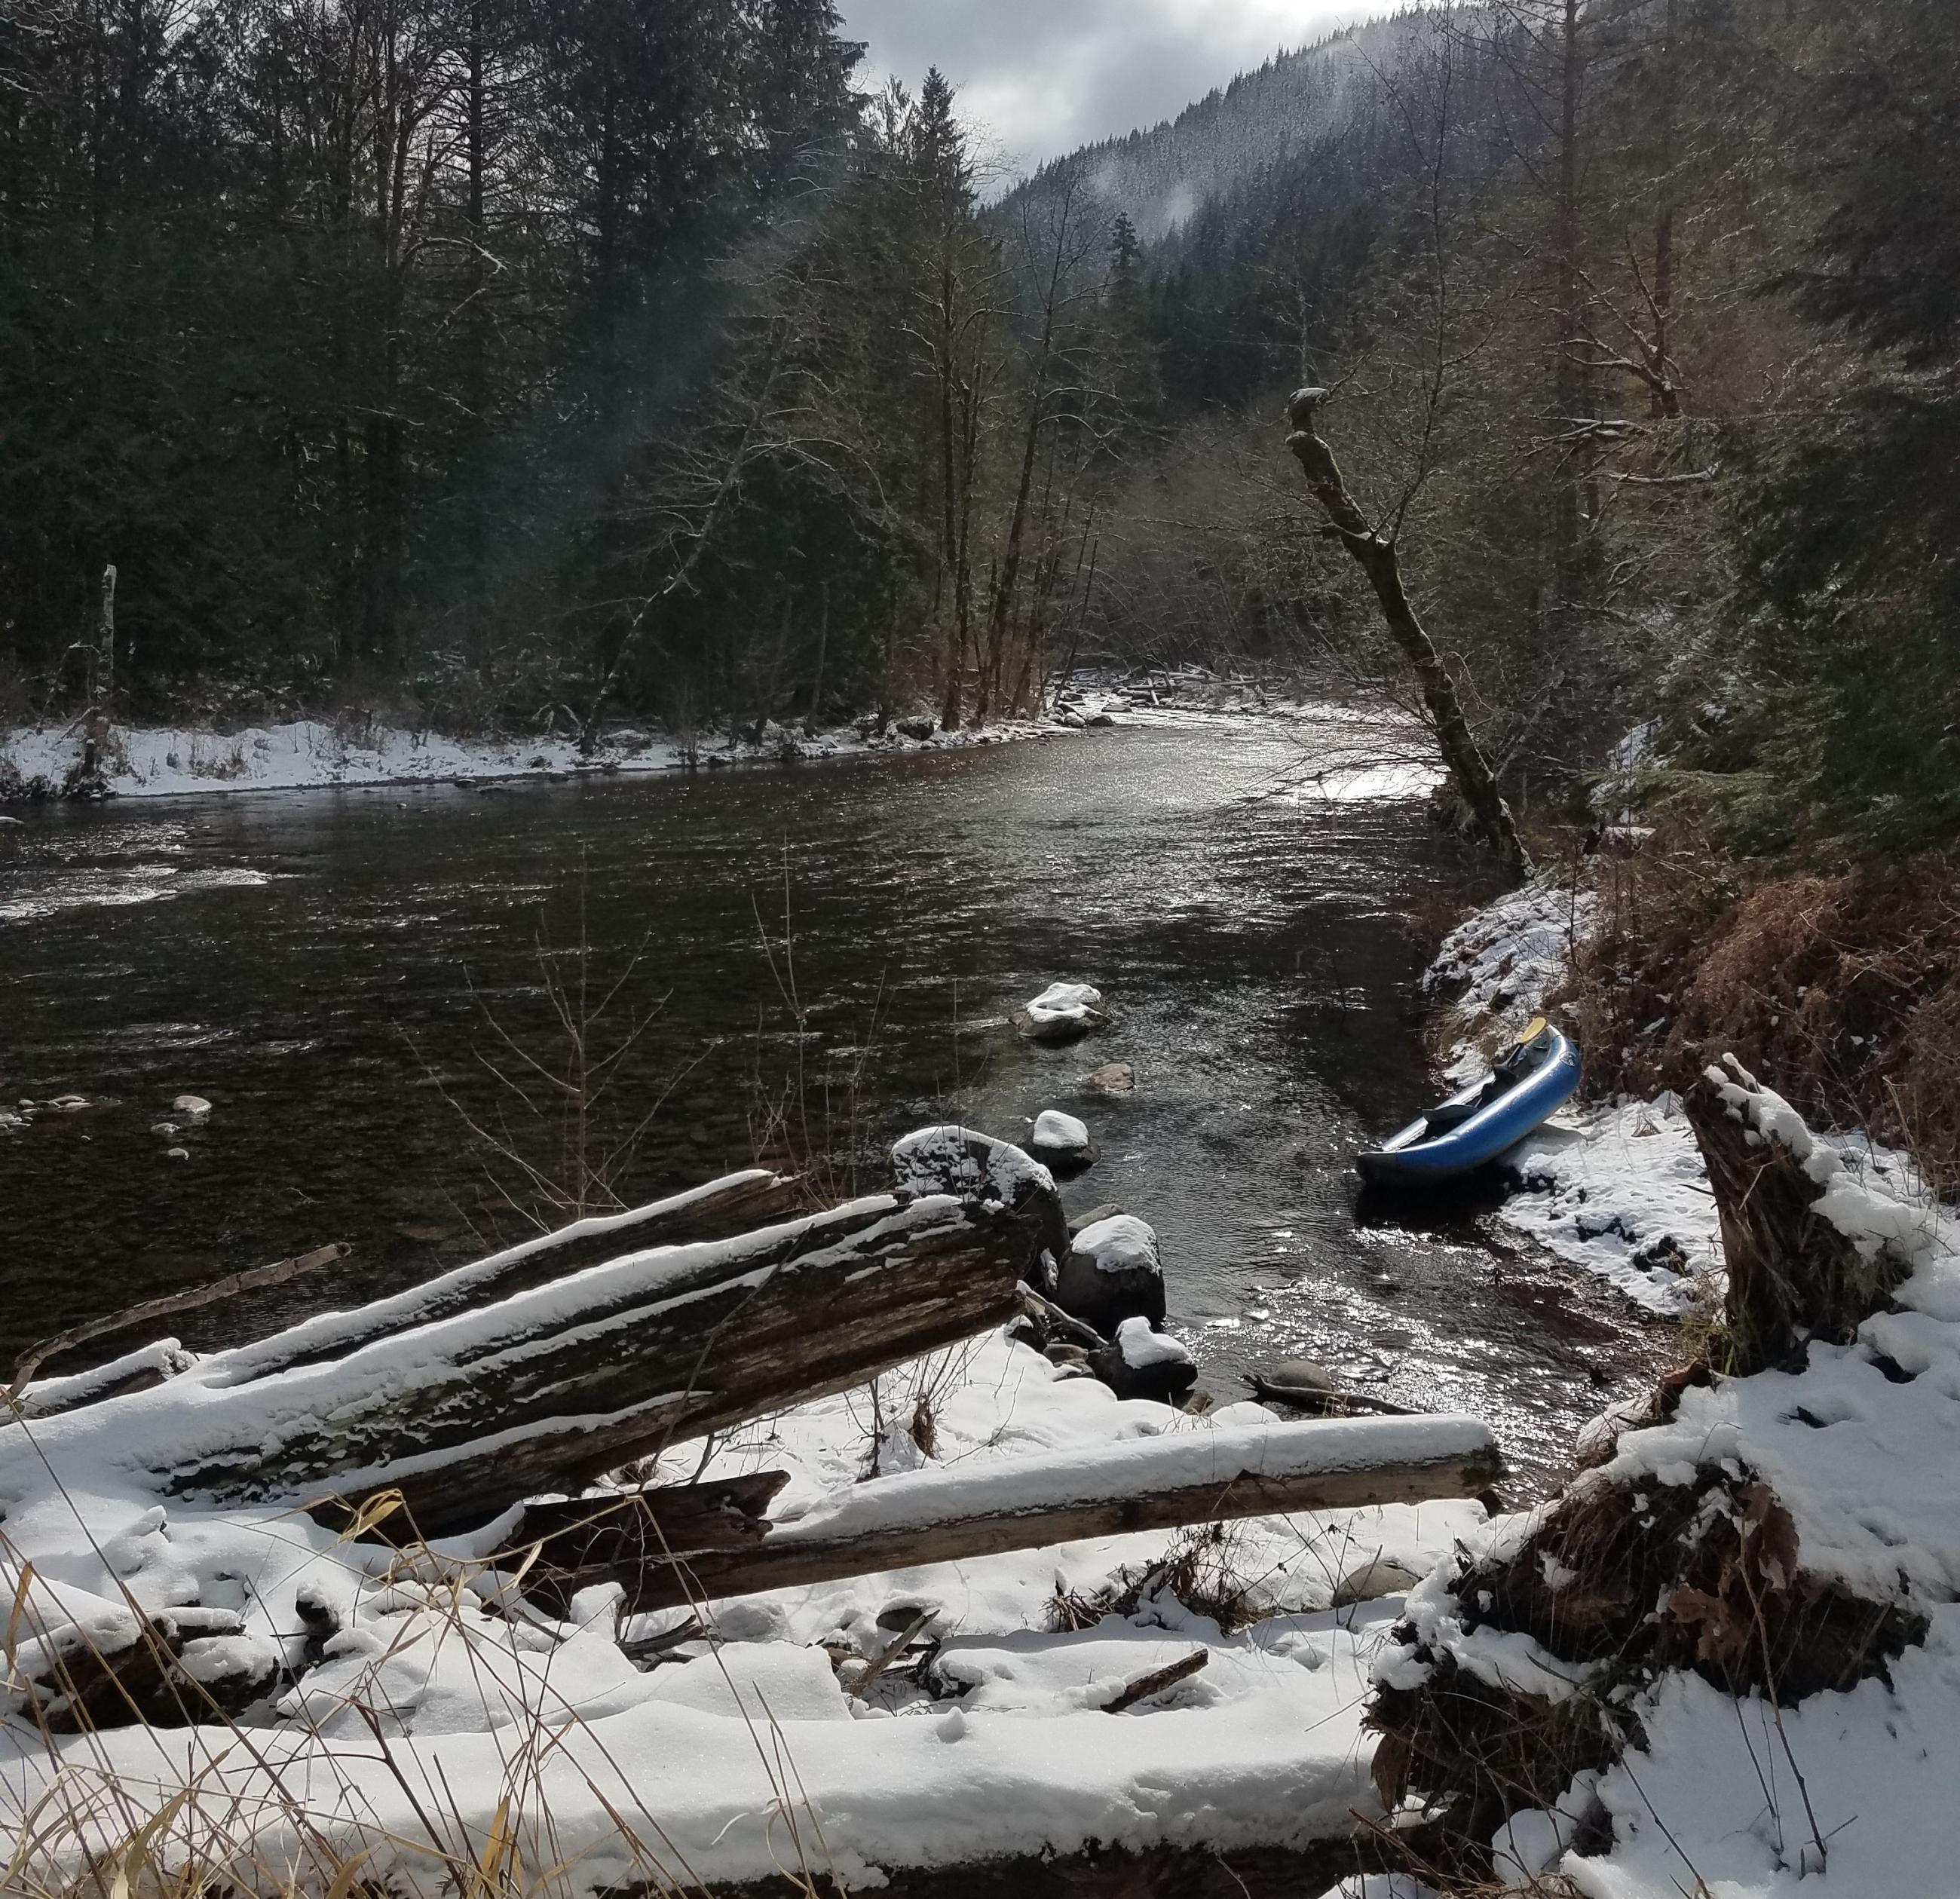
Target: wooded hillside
[465,361]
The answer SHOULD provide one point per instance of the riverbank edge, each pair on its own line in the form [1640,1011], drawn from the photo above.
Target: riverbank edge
[1831,1481]
[45,763]
[310,754]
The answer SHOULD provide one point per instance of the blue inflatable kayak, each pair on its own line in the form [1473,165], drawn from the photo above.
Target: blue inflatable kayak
[1529,1083]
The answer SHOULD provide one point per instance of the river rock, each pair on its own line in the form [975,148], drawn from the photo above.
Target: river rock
[1114,1080]
[1063,1012]
[1060,1142]
[1099,718]
[1114,1270]
[918,730]
[1305,1373]
[1109,1210]
[69,1104]
[165,1131]
[1140,1362]
[194,1108]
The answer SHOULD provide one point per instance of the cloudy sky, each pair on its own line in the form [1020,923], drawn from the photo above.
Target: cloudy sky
[1046,75]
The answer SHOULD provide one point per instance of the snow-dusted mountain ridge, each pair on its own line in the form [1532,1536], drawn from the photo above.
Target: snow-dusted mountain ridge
[1160,177]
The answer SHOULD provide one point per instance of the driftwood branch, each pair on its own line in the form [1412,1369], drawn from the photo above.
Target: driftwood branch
[1157,1681]
[255,1279]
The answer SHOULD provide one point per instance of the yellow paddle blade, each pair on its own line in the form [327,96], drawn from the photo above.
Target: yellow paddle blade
[1533,1029]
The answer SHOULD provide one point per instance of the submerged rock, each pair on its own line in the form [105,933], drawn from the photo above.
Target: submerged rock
[1114,1272]
[1113,1080]
[1061,1142]
[1108,1209]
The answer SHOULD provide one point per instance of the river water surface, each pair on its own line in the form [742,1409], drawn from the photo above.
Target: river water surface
[352,977]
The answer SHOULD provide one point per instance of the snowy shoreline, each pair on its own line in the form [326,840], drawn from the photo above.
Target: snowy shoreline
[310,754]
[1846,1455]
[182,761]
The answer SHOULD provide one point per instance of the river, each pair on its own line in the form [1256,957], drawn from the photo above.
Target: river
[353,978]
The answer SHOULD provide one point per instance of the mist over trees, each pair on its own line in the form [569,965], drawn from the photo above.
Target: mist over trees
[489,362]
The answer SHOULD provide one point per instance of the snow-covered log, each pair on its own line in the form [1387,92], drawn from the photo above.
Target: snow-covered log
[467,1408]
[1198,1476]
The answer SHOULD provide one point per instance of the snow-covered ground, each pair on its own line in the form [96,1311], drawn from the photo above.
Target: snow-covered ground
[750,1750]
[1845,1793]
[1389,760]
[155,761]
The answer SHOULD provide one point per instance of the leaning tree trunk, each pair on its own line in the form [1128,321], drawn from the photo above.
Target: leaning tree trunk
[1376,555]
[1792,1275]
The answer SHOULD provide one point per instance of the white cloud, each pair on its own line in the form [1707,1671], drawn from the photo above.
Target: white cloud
[1045,76]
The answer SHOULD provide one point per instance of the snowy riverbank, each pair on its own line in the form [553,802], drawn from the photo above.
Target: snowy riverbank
[758,1743]
[1617,1187]
[152,762]
[1853,1457]
[177,761]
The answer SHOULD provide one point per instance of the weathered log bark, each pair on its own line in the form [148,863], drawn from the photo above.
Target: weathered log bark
[555,1384]
[576,1537]
[1377,556]
[719,1209]
[1792,1276]
[1030,1502]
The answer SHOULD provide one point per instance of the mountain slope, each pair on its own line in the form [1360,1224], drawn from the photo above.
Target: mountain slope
[1160,177]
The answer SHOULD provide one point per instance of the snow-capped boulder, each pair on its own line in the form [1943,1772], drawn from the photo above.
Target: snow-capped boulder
[1140,1362]
[193,1108]
[1114,1272]
[1063,1012]
[1061,1142]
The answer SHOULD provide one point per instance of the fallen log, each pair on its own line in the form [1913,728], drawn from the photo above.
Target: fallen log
[1198,1476]
[1323,1401]
[716,1210]
[555,1384]
[719,1209]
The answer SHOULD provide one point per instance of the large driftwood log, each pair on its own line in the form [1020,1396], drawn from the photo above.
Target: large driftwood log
[1200,1476]
[715,1211]
[465,1410]
[1792,1275]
